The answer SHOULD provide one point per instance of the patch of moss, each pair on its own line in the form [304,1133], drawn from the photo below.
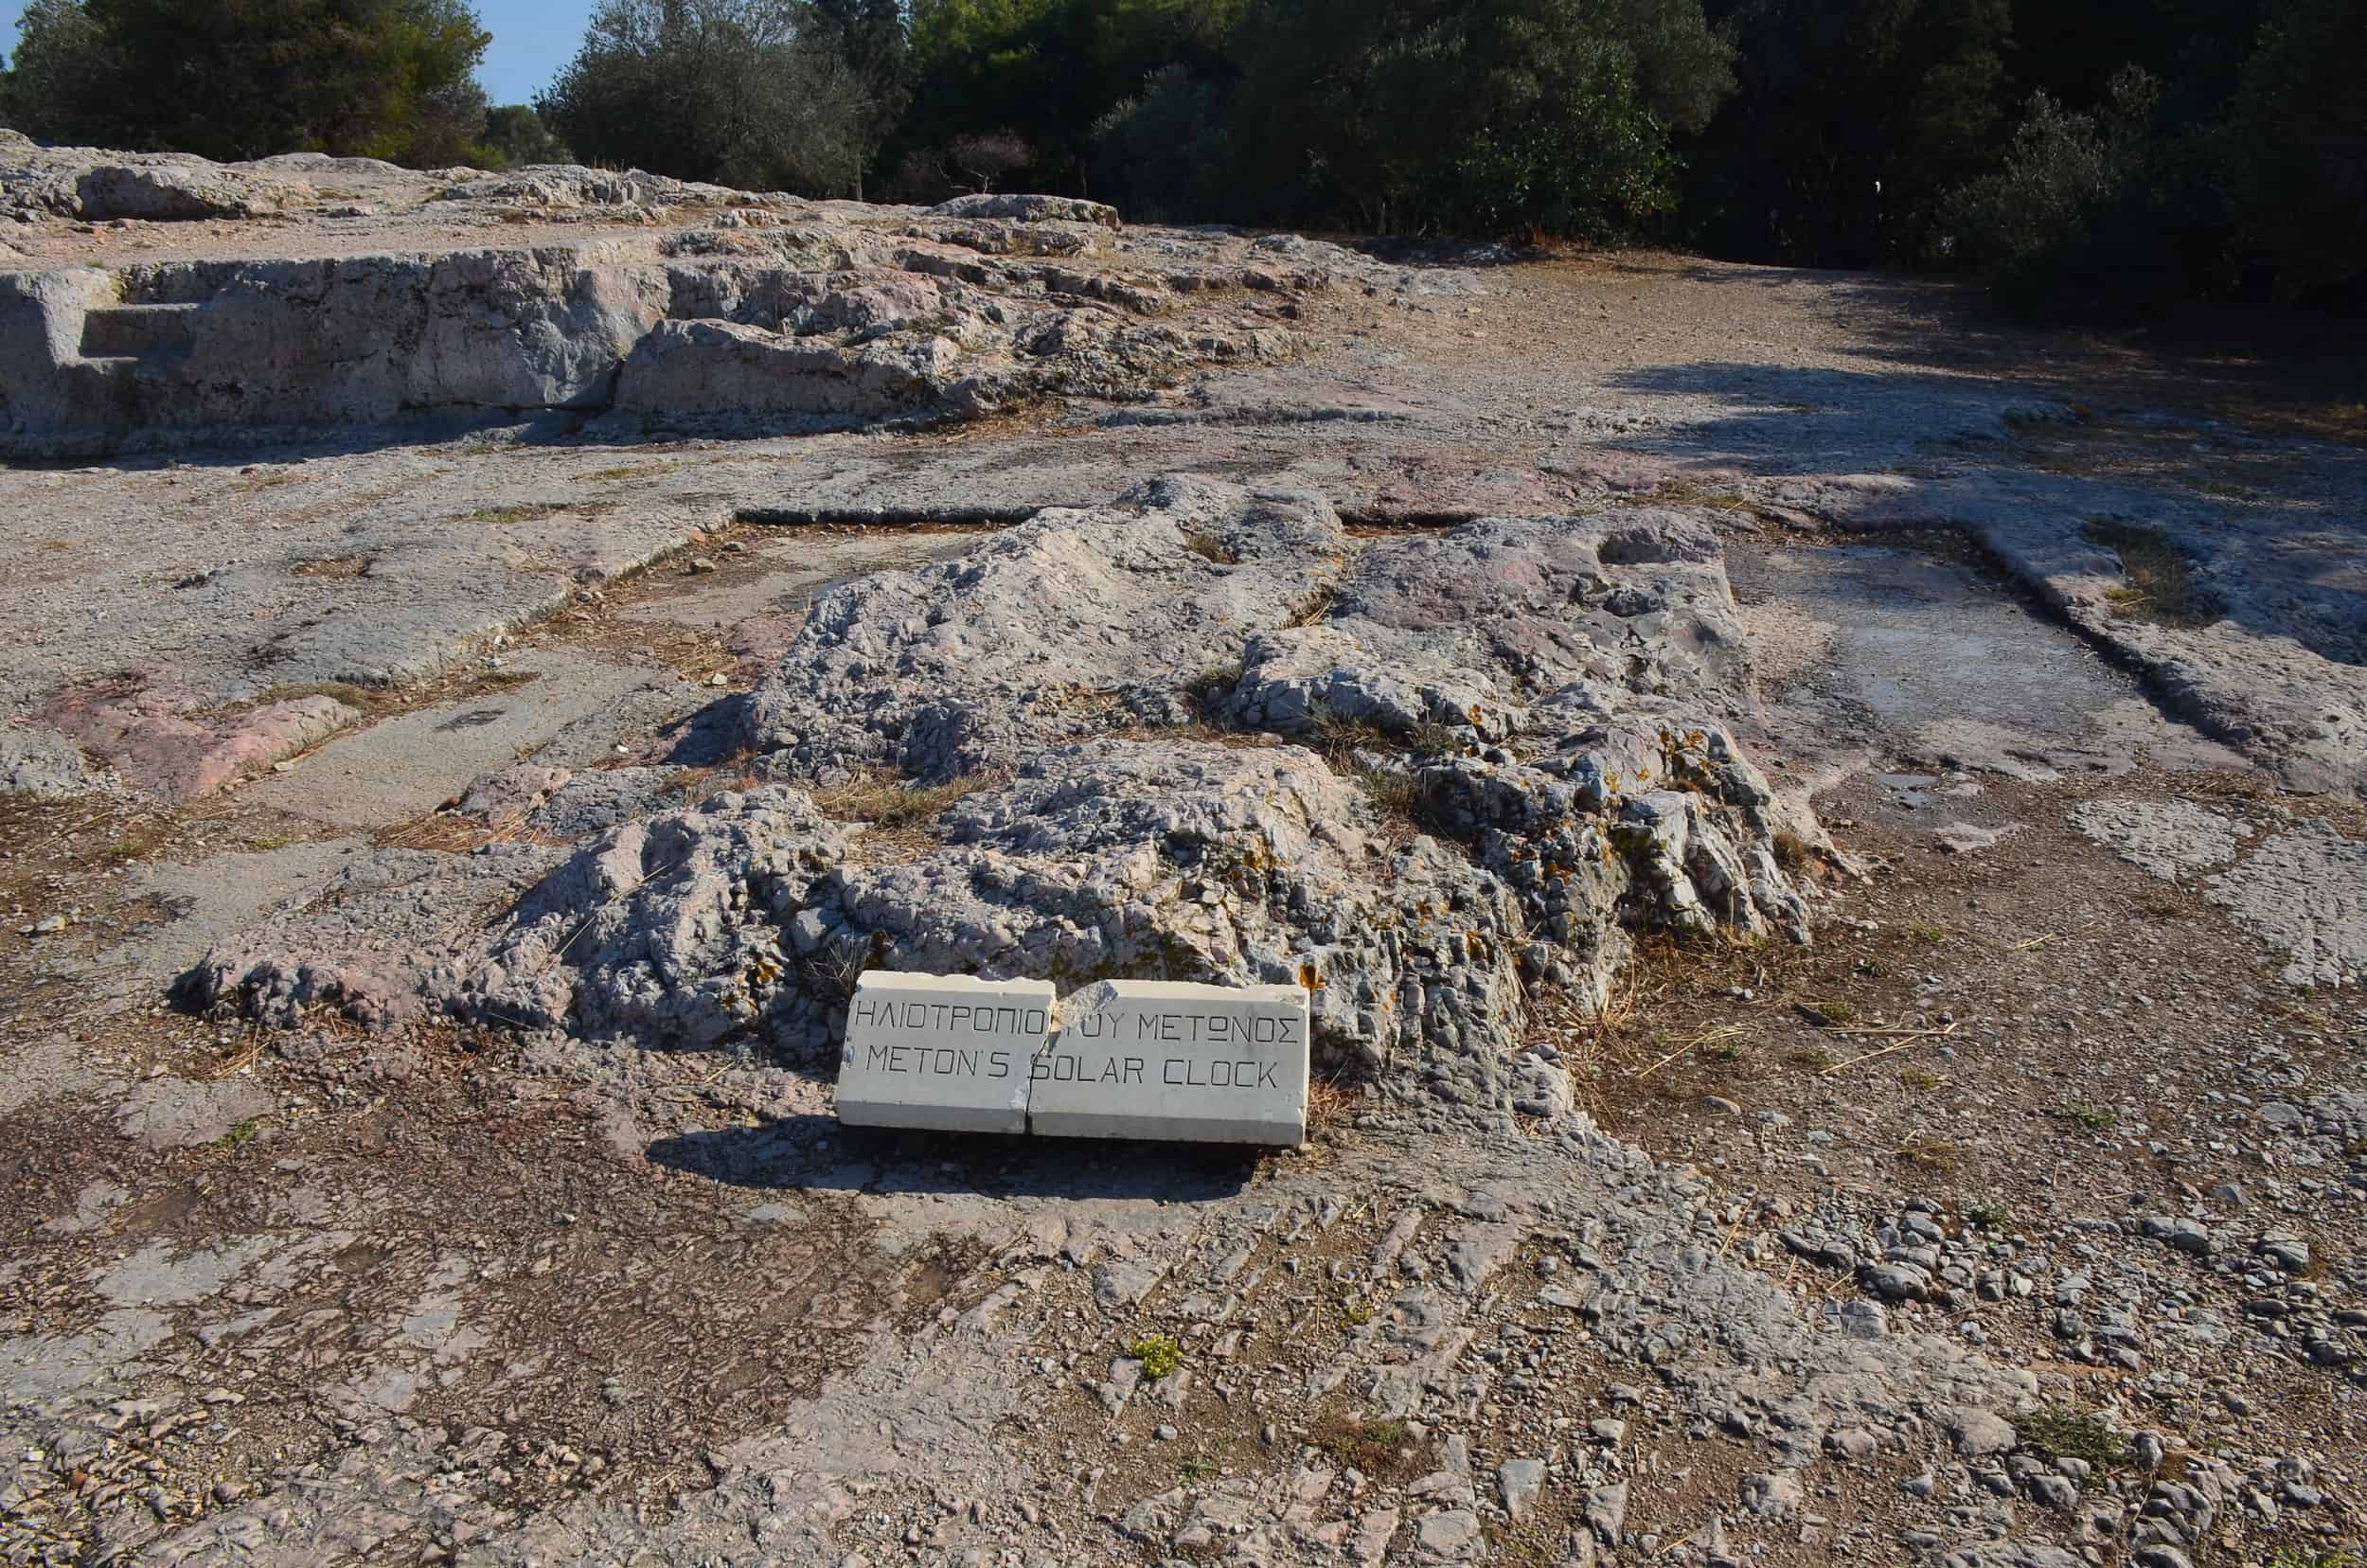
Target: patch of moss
[2064,1431]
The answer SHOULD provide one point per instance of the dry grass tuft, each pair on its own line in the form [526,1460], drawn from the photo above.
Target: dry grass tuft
[832,972]
[1386,1451]
[889,804]
[1340,739]
[2159,581]
[1438,742]
[1396,795]
[1318,605]
[335,568]
[1919,1148]
[1210,549]
[367,699]
[1691,492]
[1330,1103]
[1208,690]
[440,831]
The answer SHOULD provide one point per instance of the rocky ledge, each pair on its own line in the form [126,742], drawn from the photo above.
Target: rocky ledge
[671,303]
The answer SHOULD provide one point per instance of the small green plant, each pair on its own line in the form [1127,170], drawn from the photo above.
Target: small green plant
[1725,1050]
[2095,1119]
[1814,1058]
[2305,1557]
[271,841]
[1206,1465]
[2064,1431]
[240,1135]
[1357,1312]
[1986,1213]
[1159,1354]
[1922,1080]
[1834,1012]
[1925,934]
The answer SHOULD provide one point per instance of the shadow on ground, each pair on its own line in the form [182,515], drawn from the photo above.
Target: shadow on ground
[2271,528]
[817,1155]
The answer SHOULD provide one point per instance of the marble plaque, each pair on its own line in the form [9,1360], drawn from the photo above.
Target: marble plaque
[1151,1058]
[945,1053]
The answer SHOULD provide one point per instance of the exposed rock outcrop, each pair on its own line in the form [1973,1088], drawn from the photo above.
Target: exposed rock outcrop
[1197,734]
[748,311]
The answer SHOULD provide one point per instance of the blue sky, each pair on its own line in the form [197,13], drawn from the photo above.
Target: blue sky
[532,39]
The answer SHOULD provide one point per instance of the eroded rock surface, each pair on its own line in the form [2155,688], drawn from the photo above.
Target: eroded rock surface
[527,1292]
[2304,892]
[1051,632]
[2166,839]
[1197,734]
[745,308]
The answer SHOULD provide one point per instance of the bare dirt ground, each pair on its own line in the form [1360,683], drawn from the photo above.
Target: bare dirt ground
[2030,1127]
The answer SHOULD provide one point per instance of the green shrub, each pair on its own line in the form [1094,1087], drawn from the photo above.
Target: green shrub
[2071,226]
[1159,1354]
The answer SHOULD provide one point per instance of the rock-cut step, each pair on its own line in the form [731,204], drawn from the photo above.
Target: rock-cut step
[137,332]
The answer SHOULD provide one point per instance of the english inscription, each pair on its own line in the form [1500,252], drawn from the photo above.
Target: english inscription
[1146,1059]
[1120,1060]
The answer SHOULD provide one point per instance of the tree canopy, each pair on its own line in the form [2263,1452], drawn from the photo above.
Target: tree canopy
[2088,156]
[244,78]
[749,92]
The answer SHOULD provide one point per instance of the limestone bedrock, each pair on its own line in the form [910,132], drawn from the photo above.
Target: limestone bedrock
[945,1053]
[1155,1059]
